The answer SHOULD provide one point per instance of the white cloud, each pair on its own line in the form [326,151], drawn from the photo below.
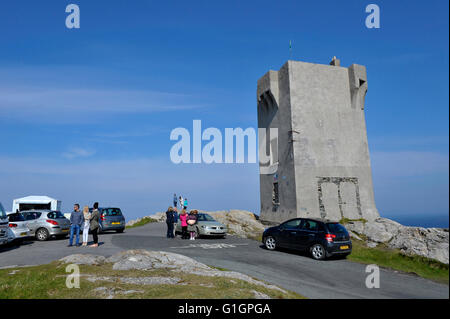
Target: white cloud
[75,152]
[48,104]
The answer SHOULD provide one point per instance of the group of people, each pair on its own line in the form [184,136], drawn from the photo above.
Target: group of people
[86,220]
[188,222]
[180,202]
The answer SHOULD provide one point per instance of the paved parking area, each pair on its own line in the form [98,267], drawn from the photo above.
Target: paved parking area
[293,271]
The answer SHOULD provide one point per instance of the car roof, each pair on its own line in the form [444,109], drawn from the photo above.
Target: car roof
[38,211]
[317,219]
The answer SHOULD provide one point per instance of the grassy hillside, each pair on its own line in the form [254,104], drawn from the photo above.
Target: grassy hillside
[142,222]
[393,259]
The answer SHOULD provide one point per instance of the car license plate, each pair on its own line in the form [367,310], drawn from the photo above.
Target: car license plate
[115,223]
[23,234]
[344,247]
[65,230]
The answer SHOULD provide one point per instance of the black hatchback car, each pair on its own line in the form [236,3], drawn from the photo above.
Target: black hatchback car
[320,237]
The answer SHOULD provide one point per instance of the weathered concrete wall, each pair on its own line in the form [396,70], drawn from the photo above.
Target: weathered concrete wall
[323,157]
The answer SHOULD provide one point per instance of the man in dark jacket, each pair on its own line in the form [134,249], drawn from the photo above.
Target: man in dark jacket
[76,219]
[170,219]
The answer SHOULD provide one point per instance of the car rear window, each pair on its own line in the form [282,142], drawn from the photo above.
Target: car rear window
[55,215]
[111,212]
[16,218]
[336,228]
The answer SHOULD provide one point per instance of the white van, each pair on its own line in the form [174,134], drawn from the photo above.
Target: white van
[4,230]
[36,203]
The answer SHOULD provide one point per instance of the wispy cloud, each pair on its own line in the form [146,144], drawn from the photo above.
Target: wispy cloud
[44,103]
[75,152]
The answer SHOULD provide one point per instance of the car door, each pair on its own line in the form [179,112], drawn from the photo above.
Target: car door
[306,234]
[288,232]
[31,222]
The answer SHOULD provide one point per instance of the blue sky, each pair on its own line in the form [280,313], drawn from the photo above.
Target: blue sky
[86,114]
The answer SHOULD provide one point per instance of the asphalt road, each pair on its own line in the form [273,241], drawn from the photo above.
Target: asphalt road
[293,271]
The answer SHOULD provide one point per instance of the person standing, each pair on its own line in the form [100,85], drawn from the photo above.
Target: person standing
[175,200]
[192,224]
[185,203]
[169,221]
[175,215]
[76,219]
[94,225]
[87,216]
[184,225]
[181,202]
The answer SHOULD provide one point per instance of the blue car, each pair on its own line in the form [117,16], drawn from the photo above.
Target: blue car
[111,218]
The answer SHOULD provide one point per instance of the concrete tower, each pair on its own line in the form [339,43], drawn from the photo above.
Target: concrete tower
[314,156]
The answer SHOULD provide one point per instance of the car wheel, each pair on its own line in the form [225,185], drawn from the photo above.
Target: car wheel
[318,252]
[270,243]
[42,234]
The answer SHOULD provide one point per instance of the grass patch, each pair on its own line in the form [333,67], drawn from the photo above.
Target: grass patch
[393,259]
[49,282]
[344,220]
[142,222]
[218,268]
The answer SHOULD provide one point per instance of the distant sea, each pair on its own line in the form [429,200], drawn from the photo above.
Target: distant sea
[440,221]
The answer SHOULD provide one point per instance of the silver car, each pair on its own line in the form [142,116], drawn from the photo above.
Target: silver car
[44,223]
[3,226]
[18,226]
[206,226]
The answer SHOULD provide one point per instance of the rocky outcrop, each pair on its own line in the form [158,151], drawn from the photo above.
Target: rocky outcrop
[241,223]
[148,260]
[427,242]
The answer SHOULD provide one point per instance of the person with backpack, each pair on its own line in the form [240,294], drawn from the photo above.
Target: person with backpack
[170,219]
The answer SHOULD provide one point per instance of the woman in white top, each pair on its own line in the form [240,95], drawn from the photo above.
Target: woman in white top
[87,216]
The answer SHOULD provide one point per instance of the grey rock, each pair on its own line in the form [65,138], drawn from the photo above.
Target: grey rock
[83,259]
[150,280]
[137,280]
[145,260]
[371,244]
[260,295]
[427,242]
